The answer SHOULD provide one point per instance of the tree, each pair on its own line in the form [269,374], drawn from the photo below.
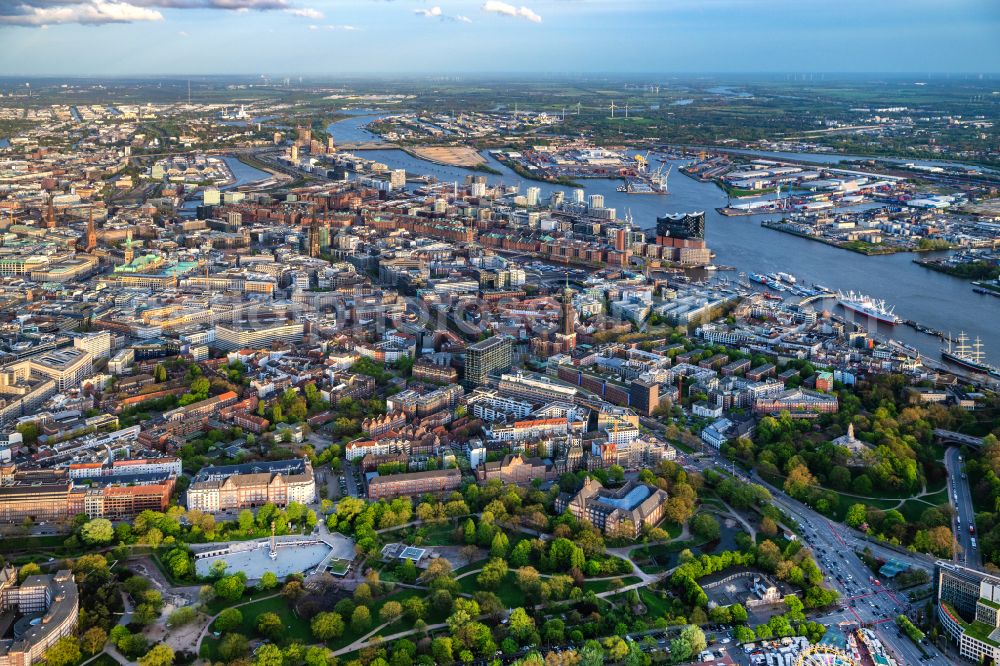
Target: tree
[29,569]
[93,640]
[97,532]
[856,515]
[317,655]
[390,612]
[768,527]
[181,616]
[744,634]
[161,655]
[269,655]
[500,545]
[230,588]
[228,620]
[706,526]
[270,625]
[441,648]
[361,619]
[233,646]
[160,373]
[493,574]
[326,626]
[522,625]
[64,652]
[738,613]
[268,581]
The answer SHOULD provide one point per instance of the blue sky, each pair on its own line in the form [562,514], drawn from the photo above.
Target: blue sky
[121,37]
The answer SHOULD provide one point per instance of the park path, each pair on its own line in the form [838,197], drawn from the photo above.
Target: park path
[204,632]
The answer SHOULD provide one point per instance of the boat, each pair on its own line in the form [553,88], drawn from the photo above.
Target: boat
[636,187]
[787,277]
[772,297]
[968,356]
[711,267]
[870,307]
[758,278]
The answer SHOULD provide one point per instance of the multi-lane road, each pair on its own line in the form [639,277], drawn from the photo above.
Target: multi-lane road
[835,548]
[960,497]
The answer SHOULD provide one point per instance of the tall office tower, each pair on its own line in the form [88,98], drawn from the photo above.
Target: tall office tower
[533,195]
[578,196]
[493,355]
[644,396]
[595,201]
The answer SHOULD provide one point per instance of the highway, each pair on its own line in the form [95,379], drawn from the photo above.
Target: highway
[965,514]
[834,548]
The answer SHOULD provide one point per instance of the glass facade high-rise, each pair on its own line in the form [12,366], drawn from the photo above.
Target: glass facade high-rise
[491,356]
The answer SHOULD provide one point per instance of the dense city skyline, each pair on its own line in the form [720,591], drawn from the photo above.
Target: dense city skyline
[101,37]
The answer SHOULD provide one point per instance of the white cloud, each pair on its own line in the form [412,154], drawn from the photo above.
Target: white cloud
[182,34]
[433,12]
[91,13]
[498,7]
[345,28]
[463,19]
[304,12]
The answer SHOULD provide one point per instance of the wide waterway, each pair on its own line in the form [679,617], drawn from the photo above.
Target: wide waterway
[933,299]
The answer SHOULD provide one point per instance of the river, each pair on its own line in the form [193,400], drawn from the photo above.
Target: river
[933,299]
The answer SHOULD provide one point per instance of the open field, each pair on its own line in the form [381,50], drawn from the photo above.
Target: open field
[460,156]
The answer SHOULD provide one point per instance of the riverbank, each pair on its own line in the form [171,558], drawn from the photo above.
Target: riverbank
[524,173]
[972,270]
[456,156]
[859,247]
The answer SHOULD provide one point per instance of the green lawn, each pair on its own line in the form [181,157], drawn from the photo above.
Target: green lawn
[105,660]
[846,501]
[510,594]
[350,635]
[296,629]
[598,586]
[216,605]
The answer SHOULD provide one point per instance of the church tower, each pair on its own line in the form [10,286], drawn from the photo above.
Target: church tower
[50,215]
[129,252]
[91,242]
[568,313]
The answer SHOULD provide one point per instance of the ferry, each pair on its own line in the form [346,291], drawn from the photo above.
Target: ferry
[870,307]
[968,356]
[758,278]
[787,277]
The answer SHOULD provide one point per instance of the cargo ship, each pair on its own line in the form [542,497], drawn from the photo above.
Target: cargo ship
[869,307]
[968,356]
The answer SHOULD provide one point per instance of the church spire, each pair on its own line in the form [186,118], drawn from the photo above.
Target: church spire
[50,215]
[91,242]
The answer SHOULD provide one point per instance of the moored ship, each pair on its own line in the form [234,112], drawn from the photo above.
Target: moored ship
[868,306]
[968,356]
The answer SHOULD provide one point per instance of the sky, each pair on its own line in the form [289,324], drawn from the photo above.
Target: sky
[343,37]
